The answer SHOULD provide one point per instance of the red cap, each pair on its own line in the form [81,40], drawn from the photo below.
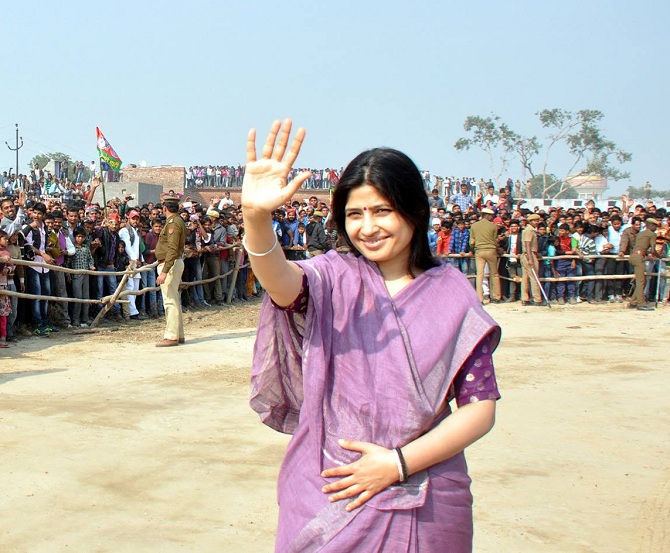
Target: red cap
[133,213]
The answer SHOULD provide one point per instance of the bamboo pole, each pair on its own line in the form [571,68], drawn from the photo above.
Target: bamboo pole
[108,305]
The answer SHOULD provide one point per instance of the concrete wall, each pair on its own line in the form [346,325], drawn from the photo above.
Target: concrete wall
[143,192]
[169,178]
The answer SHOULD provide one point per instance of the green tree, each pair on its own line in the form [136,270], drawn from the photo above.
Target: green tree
[538,184]
[494,138]
[578,132]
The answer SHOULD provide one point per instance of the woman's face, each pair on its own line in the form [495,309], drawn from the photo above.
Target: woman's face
[376,229]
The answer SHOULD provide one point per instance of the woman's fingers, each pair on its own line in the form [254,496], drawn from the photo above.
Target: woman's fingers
[293,152]
[283,140]
[293,186]
[269,145]
[360,500]
[343,470]
[353,445]
[346,493]
[276,148]
[251,146]
[339,485]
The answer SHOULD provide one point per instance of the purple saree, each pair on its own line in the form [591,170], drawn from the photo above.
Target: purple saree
[363,366]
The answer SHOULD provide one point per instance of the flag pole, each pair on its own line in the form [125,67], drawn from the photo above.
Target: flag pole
[104,195]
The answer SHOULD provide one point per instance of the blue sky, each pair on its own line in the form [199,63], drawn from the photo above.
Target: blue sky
[182,82]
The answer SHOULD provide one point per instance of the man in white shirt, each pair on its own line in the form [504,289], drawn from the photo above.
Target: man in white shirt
[131,237]
[225,202]
[491,196]
[13,218]
[613,266]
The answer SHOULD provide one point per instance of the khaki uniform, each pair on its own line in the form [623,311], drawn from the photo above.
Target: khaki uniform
[484,242]
[529,235]
[643,241]
[170,256]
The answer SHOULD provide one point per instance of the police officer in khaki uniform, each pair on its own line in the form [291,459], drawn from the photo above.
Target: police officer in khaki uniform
[170,256]
[644,241]
[530,263]
[484,242]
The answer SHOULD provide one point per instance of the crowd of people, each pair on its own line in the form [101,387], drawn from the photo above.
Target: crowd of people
[230,176]
[86,236]
[66,184]
[484,234]
[573,243]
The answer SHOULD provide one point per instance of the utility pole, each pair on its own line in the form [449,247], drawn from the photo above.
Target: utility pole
[16,149]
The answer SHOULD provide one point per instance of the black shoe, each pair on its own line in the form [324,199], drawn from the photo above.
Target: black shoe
[496,301]
[527,303]
[645,308]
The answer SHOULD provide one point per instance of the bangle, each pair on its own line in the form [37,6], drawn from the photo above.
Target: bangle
[244,245]
[397,460]
[402,466]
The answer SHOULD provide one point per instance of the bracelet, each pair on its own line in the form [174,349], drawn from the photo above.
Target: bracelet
[397,460]
[403,472]
[274,246]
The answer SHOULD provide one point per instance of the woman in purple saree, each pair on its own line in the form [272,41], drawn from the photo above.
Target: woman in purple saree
[358,356]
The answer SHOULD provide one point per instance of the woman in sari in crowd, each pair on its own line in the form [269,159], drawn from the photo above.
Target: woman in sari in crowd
[359,355]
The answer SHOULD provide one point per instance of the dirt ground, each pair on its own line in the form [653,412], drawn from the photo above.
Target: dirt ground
[109,444]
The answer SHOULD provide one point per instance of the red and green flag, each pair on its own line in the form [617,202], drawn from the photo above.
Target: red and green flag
[107,153]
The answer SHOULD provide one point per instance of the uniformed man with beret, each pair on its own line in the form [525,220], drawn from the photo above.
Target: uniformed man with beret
[484,242]
[645,244]
[530,262]
[170,256]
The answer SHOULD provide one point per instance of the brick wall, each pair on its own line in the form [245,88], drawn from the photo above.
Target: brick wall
[170,178]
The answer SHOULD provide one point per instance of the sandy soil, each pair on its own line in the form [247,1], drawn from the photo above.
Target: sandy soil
[109,444]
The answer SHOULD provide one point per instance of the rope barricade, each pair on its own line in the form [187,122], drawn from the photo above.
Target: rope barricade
[573,278]
[121,293]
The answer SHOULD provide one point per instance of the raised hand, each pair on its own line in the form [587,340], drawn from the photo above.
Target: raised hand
[265,186]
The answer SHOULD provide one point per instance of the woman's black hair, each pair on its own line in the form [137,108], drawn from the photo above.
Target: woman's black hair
[396,177]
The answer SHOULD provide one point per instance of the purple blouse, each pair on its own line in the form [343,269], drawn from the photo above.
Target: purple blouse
[475,380]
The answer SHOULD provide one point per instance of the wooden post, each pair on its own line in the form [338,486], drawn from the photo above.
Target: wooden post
[238,256]
[111,302]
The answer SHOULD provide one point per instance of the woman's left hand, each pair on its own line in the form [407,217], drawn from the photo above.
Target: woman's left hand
[375,471]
